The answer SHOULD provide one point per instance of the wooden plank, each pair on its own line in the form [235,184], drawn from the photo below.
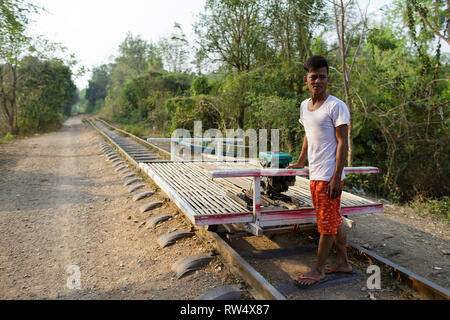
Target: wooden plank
[198,196]
[202,180]
[205,189]
[180,189]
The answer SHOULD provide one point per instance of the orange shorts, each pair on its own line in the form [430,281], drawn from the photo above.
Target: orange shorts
[328,211]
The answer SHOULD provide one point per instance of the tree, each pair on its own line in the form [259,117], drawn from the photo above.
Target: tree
[45,93]
[290,28]
[434,17]
[14,15]
[200,85]
[136,56]
[232,31]
[341,10]
[174,50]
[97,87]
[11,52]
[13,44]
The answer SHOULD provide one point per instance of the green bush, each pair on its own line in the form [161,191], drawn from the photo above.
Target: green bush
[438,208]
[200,85]
[6,138]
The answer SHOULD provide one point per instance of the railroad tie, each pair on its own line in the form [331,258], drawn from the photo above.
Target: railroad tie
[154,221]
[171,237]
[230,292]
[119,164]
[143,195]
[127,175]
[150,206]
[186,265]
[131,181]
[137,187]
[289,287]
[121,168]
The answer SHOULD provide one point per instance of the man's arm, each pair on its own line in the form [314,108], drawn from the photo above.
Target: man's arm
[335,185]
[302,158]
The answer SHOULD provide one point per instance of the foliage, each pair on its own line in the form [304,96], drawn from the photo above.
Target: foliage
[173,51]
[200,85]
[6,138]
[45,94]
[274,112]
[14,15]
[36,91]
[96,89]
[185,111]
[435,207]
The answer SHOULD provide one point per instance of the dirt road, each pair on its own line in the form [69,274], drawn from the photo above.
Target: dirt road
[62,205]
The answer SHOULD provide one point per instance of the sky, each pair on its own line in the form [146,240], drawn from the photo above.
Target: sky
[93,29]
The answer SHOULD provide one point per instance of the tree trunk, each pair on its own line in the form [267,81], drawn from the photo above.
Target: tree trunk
[348,102]
[241,115]
[340,27]
[8,107]
[15,128]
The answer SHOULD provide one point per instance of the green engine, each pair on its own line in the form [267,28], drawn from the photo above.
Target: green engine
[271,186]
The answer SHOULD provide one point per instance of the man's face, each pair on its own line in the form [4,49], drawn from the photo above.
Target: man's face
[317,80]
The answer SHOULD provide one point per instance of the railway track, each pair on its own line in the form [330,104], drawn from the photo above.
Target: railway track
[268,264]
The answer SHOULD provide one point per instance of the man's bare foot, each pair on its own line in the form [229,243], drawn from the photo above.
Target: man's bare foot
[308,279]
[339,268]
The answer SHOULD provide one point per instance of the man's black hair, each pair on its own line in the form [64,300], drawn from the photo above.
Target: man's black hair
[316,62]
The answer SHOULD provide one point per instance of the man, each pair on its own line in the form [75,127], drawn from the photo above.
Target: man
[325,119]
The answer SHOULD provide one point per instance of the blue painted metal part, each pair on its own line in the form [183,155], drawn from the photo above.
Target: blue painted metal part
[283,158]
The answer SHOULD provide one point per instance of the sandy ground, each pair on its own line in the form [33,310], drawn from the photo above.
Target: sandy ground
[420,244]
[62,204]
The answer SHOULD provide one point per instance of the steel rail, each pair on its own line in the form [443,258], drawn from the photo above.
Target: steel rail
[263,289]
[135,138]
[422,286]
[119,148]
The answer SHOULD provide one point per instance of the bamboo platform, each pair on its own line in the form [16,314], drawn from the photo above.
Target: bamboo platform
[205,201]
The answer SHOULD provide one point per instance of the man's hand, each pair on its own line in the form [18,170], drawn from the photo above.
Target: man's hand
[334,188]
[297,165]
